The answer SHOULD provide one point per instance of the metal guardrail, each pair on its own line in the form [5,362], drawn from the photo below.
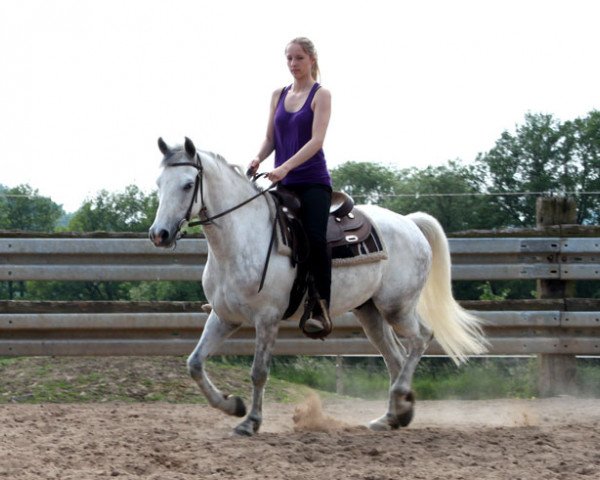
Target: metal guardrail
[107,259]
[512,330]
[176,333]
[525,258]
[137,259]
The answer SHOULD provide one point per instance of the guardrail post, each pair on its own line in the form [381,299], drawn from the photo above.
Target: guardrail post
[557,372]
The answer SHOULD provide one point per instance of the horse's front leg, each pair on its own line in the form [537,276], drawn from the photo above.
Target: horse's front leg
[266,334]
[214,334]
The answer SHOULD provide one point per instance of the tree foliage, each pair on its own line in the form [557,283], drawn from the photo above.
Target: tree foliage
[584,167]
[172,291]
[365,181]
[129,211]
[545,156]
[449,192]
[542,156]
[61,290]
[23,208]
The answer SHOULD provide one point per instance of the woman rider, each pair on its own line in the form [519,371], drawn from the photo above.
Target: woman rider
[296,129]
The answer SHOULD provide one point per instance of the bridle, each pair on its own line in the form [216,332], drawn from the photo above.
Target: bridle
[203,217]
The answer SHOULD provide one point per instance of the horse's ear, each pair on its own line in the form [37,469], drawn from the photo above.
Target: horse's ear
[190,149]
[163,147]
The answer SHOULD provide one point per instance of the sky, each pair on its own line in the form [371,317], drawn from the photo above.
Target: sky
[87,87]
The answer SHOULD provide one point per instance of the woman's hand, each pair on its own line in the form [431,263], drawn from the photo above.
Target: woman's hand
[253,167]
[278,174]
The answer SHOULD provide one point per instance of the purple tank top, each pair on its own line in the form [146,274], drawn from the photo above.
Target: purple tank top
[292,131]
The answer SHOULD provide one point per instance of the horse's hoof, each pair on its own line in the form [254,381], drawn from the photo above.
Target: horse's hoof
[407,407]
[247,428]
[242,431]
[235,406]
[393,422]
[405,418]
[380,424]
[407,415]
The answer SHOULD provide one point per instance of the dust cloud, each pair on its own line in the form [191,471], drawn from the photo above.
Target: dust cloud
[309,417]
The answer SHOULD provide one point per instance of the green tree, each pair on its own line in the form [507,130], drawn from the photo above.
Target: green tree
[544,156]
[23,208]
[450,192]
[581,172]
[172,291]
[366,182]
[129,211]
[60,290]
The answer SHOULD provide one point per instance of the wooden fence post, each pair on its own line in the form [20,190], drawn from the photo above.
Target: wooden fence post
[557,372]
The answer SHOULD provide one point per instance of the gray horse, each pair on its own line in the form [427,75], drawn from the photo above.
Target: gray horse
[407,296]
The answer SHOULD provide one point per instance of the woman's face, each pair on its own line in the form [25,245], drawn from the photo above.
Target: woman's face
[298,61]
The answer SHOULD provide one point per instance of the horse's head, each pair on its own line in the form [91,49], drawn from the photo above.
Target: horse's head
[177,191]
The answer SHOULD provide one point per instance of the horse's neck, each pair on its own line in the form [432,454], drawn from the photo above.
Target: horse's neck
[242,231]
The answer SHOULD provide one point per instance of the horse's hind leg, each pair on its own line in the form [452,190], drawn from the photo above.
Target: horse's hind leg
[416,339]
[381,335]
[214,334]
[266,334]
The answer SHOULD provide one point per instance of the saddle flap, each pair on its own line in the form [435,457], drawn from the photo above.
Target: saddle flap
[288,200]
[352,228]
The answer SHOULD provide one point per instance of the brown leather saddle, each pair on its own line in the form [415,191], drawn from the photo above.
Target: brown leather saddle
[347,227]
[349,234]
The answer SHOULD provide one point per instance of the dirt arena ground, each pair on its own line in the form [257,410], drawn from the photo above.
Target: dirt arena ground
[556,438]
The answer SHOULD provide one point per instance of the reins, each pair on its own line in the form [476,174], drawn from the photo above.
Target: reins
[204,219]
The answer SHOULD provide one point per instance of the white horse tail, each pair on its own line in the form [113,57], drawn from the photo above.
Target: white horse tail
[457,331]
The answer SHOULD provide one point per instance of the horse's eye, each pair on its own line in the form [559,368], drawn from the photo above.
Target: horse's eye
[188,186]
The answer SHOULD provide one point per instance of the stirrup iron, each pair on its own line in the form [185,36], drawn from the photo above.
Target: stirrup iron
[322,317]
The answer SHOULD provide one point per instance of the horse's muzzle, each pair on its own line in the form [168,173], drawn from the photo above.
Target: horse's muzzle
[160,237]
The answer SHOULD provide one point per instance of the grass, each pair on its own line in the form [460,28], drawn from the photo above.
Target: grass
[482,378]
[165,379]
[125,379]
[435,378]
[588,371]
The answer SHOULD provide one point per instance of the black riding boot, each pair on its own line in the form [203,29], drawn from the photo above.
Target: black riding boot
[319,323]
[316,322]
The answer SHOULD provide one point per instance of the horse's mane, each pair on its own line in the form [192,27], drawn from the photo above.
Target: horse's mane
[178,154]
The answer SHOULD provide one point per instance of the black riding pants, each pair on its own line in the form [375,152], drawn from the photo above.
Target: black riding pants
[316,201]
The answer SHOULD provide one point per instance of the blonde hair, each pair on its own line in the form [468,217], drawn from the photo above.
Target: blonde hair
[311,51]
